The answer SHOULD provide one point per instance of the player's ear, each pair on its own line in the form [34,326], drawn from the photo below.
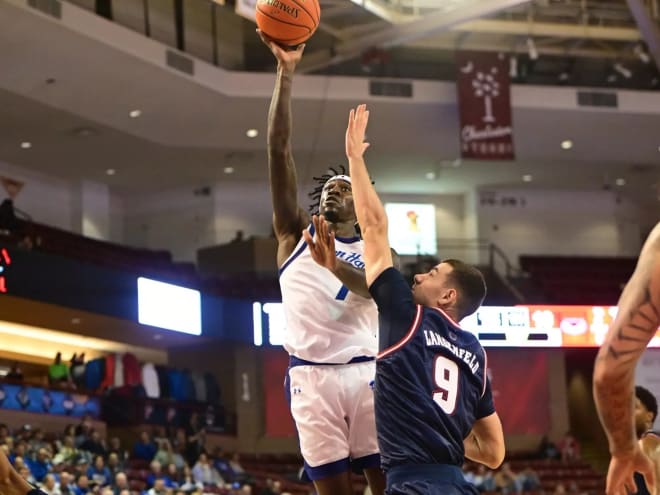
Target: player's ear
[447,297]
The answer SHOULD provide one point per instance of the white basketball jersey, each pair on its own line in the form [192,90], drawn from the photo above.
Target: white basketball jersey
[325,322]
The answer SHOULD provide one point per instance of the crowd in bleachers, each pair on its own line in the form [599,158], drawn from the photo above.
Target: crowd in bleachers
[80,461]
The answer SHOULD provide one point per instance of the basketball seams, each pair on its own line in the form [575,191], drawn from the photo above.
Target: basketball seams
[316,21]
[284,22]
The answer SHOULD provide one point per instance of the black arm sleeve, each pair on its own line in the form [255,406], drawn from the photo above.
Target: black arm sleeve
[396,309]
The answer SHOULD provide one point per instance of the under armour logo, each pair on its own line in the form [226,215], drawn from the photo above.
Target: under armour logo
[452,336]
[296,390]
[372,384]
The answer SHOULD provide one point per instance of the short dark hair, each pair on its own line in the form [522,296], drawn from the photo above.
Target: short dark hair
[648,400]
[470,285]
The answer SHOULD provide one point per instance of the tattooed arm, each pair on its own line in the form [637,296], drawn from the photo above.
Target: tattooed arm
[636,323]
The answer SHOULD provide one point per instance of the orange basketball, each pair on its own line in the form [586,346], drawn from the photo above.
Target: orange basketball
[288,22]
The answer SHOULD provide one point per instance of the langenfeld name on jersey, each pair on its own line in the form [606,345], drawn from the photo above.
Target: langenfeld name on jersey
[435,339]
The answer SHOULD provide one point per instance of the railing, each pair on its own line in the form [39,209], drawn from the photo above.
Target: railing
[499,262]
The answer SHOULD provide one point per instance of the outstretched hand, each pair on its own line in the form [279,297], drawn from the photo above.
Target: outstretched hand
[286,59]
[322,245]
[356,132]
[620,480]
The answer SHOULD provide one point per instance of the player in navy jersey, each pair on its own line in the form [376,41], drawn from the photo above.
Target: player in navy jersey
[646,410]
[433,400]
[636,323]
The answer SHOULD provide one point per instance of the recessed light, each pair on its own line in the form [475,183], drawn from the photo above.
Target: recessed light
[527,178]
[252,133]
[158,336]
[111,171]
[75,321]
[620,182]
[134,114]
[430,175]
[658,148]
[229,170]
[26,145]
[567,144]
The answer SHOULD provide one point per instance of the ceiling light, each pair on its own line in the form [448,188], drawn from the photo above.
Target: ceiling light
[430,175]
[229,170]
[26,145]
[623,70]
[620,182]
[513,67]
[531,48]
[566,144]
[111,171]
[641,52]
[134,114]
[252,133]
[527,178]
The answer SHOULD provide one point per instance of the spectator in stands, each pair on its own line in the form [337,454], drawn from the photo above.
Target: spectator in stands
[268,489]
[4,433]
[547,449]
[222,465]
[82,485]
[67,452]
[50,486]
[277,487]
[177,458]
[27,475]
[529,479]
[77,370]
[144,449]
[156,472]
[569,448]
[484,479]
[560,489]
[195,438]
[159,488]
[37,441]
[83,430]
[164,454]
[41,465]
[114,466]
[206,474]
[98,472]
[8,219]
[66,485]
[20,449]
[58,372]
[120,483]
[94,444]
[116,448]
[172,474]
[507,481]
[187,482]
[15,373]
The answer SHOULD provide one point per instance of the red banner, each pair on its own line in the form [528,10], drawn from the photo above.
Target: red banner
[279,422]
[521,392]
[484,100]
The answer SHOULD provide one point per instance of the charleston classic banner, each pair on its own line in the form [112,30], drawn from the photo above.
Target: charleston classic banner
[484,102]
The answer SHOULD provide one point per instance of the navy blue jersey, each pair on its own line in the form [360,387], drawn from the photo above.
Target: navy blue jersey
[431,383]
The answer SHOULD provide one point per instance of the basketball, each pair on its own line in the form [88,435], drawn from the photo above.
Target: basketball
[288,22]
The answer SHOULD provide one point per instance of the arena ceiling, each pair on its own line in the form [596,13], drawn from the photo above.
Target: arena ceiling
[70,95]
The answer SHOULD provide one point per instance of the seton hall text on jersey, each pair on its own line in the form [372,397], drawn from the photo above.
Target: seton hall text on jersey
[435,339]
[354,259]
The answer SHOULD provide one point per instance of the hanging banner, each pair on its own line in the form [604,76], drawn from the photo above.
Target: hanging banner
[484,101]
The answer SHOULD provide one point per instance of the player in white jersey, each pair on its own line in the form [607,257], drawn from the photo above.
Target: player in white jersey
[331,320]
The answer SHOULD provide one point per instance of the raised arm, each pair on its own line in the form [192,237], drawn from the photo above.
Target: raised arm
[288,218]
[636,323]
[368,208]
